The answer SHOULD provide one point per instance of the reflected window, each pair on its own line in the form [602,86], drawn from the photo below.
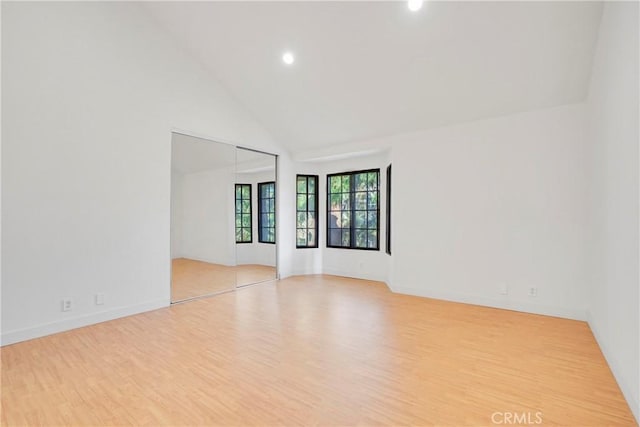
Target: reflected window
[306,211]
[267,212]
[243,213]
[353,210]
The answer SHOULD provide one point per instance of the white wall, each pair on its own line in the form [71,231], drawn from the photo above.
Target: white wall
[613,118]
[256,252]
[90,94]
[285,206]
[492,203]
[204,219]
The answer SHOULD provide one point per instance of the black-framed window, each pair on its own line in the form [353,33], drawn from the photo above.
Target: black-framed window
[243,213]
[388,219]
[267,212]
[306,211]
[353,210]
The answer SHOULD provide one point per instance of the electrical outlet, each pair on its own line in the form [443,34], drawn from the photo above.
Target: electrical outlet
[99,299]
[504,289]
[533,292]
[67,304]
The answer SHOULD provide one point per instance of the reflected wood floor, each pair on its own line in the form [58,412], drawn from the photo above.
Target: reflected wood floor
[191,278]
[313,350]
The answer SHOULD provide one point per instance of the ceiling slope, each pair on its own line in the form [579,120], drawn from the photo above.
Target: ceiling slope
[369,69]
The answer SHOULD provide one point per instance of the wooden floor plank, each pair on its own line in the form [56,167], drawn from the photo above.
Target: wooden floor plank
[313,350]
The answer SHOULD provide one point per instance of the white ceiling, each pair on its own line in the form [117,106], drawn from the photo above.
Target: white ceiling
[370,69]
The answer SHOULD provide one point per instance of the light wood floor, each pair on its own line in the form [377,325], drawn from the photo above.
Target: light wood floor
[192,278]
[315,350]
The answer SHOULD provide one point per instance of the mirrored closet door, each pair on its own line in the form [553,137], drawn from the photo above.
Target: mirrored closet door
[255,222]
[222,217]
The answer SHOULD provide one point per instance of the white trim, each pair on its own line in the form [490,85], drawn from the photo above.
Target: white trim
[625,387]
[523,306]
[304,272]
[351,275]
[45,329]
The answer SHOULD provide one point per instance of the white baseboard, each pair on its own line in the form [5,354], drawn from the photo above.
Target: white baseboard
[44,329]
[623,383]
[523,306]
[303,272]
[353,275]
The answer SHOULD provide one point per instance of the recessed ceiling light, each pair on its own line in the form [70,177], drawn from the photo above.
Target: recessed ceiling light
[414,5]
[288,58]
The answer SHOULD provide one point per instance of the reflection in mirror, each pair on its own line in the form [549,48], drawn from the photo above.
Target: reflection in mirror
[255,217]
[202,222]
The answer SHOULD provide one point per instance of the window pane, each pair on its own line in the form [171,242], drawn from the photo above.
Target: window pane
[372,220]
[361,182]
[334,219]
[312,185]
[373,200]
[361,219]
[246,206]
[345,238]
[345,220]
[361,201]
[301,220]
[361,238]
[373,237]
[335,237]
[301,185]
[245,192]
[246,220]
[311,237]
[335,202]
[334,184]
[346,183]
[302,202]
[311,220]
[246,235]
[238,220]
[301,237]
[373,180]
[346,201]
[238,192]
[238,234]
[312,203]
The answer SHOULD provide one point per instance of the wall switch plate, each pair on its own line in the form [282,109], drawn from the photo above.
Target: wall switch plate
[100,299]
[533,292]
[67,304]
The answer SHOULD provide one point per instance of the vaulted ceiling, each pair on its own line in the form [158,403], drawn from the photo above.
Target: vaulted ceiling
[370,69]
